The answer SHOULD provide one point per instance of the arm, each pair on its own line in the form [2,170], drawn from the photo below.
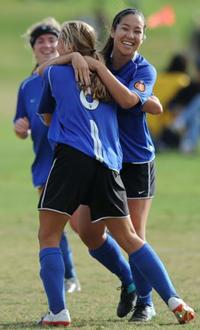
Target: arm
[21,121]
[153,106]
[120,93]
[21,127]
[47,118]
[81,68]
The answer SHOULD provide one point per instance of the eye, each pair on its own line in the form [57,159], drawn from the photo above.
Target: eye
[138,32]
[124,28]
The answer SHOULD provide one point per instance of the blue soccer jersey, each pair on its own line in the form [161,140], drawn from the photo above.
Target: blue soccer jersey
[79,121]
[139,77]
[27,105]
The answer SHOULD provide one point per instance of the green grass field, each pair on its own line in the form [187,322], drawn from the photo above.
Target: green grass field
[173,227]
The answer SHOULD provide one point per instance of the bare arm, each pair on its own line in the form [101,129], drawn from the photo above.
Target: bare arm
[120,93]
[21,127]
[47,118]
[153,106]
[81,68]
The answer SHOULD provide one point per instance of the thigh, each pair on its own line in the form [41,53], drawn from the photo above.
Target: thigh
[139,211]
[68,181]
[92,234]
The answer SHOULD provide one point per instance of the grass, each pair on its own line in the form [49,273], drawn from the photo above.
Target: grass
[173,227]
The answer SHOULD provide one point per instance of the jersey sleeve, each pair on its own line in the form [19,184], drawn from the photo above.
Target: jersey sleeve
[47,101]
[143,82]
[20,108]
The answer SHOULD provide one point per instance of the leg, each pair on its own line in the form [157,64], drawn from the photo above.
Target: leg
[139,211]
[104,248]
[71,281]
[144,258]
[144,309]
[51,261]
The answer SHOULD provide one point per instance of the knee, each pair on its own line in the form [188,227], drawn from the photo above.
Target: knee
[48,239]
[92,240]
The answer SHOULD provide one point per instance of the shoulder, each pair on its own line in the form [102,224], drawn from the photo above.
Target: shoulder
[29,81]
[145,70]
[58,71]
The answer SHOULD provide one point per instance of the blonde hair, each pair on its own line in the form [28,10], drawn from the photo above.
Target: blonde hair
[81,37]
[49,22]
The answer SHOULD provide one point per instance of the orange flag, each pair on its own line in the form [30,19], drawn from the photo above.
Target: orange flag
[165,16]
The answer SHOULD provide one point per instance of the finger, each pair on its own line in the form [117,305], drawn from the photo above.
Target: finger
[76,75]
[81,79]
[86,77]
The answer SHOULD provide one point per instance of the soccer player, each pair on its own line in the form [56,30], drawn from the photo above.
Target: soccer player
[43,38]
[88,158]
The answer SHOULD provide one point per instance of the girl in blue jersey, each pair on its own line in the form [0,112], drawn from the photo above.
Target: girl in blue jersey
[137,78]
[87,160]
[43,38]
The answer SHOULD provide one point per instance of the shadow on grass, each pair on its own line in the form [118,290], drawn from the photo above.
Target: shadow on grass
[19,325]
[94,324]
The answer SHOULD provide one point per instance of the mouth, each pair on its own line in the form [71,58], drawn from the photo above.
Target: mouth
[128,44]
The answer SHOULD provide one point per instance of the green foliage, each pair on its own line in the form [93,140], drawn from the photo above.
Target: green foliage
[17,15]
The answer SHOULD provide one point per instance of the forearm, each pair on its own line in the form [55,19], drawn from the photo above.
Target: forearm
[153,106]
[47,118]
[120,93]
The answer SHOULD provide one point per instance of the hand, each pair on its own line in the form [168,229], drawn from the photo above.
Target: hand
[81,69]
[21,127]
[92,63]
[40,69]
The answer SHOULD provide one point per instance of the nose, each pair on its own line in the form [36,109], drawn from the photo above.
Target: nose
[130,34]
[47,44]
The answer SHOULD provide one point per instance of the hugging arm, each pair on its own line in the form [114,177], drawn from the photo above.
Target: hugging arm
[120,93]
[81,68]
[153,106]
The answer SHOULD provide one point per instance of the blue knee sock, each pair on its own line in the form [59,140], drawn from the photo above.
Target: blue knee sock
[52,275]
[67,257]
[144,289]
[149,264]
[109,254]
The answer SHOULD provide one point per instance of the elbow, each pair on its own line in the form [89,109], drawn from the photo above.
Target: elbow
[158,109]
[127,102]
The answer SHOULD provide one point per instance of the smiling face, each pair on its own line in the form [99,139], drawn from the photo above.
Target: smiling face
[45,47]
[128,36]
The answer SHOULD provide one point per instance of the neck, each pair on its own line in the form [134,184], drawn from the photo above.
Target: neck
[119,60]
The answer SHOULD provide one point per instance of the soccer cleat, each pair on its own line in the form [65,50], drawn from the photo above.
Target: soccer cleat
[60,319]
[127,302]
[181,310]
[72,284]
[142,313]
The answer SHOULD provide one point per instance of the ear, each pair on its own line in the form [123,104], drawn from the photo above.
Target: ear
[112,33]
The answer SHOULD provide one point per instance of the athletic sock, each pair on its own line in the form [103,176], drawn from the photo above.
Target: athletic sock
[109,254]
[67,257]
[144,289]
[52,275]
[149,264]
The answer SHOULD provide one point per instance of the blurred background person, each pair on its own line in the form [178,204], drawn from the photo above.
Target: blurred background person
[43,38]
[174,78]
[182,132]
